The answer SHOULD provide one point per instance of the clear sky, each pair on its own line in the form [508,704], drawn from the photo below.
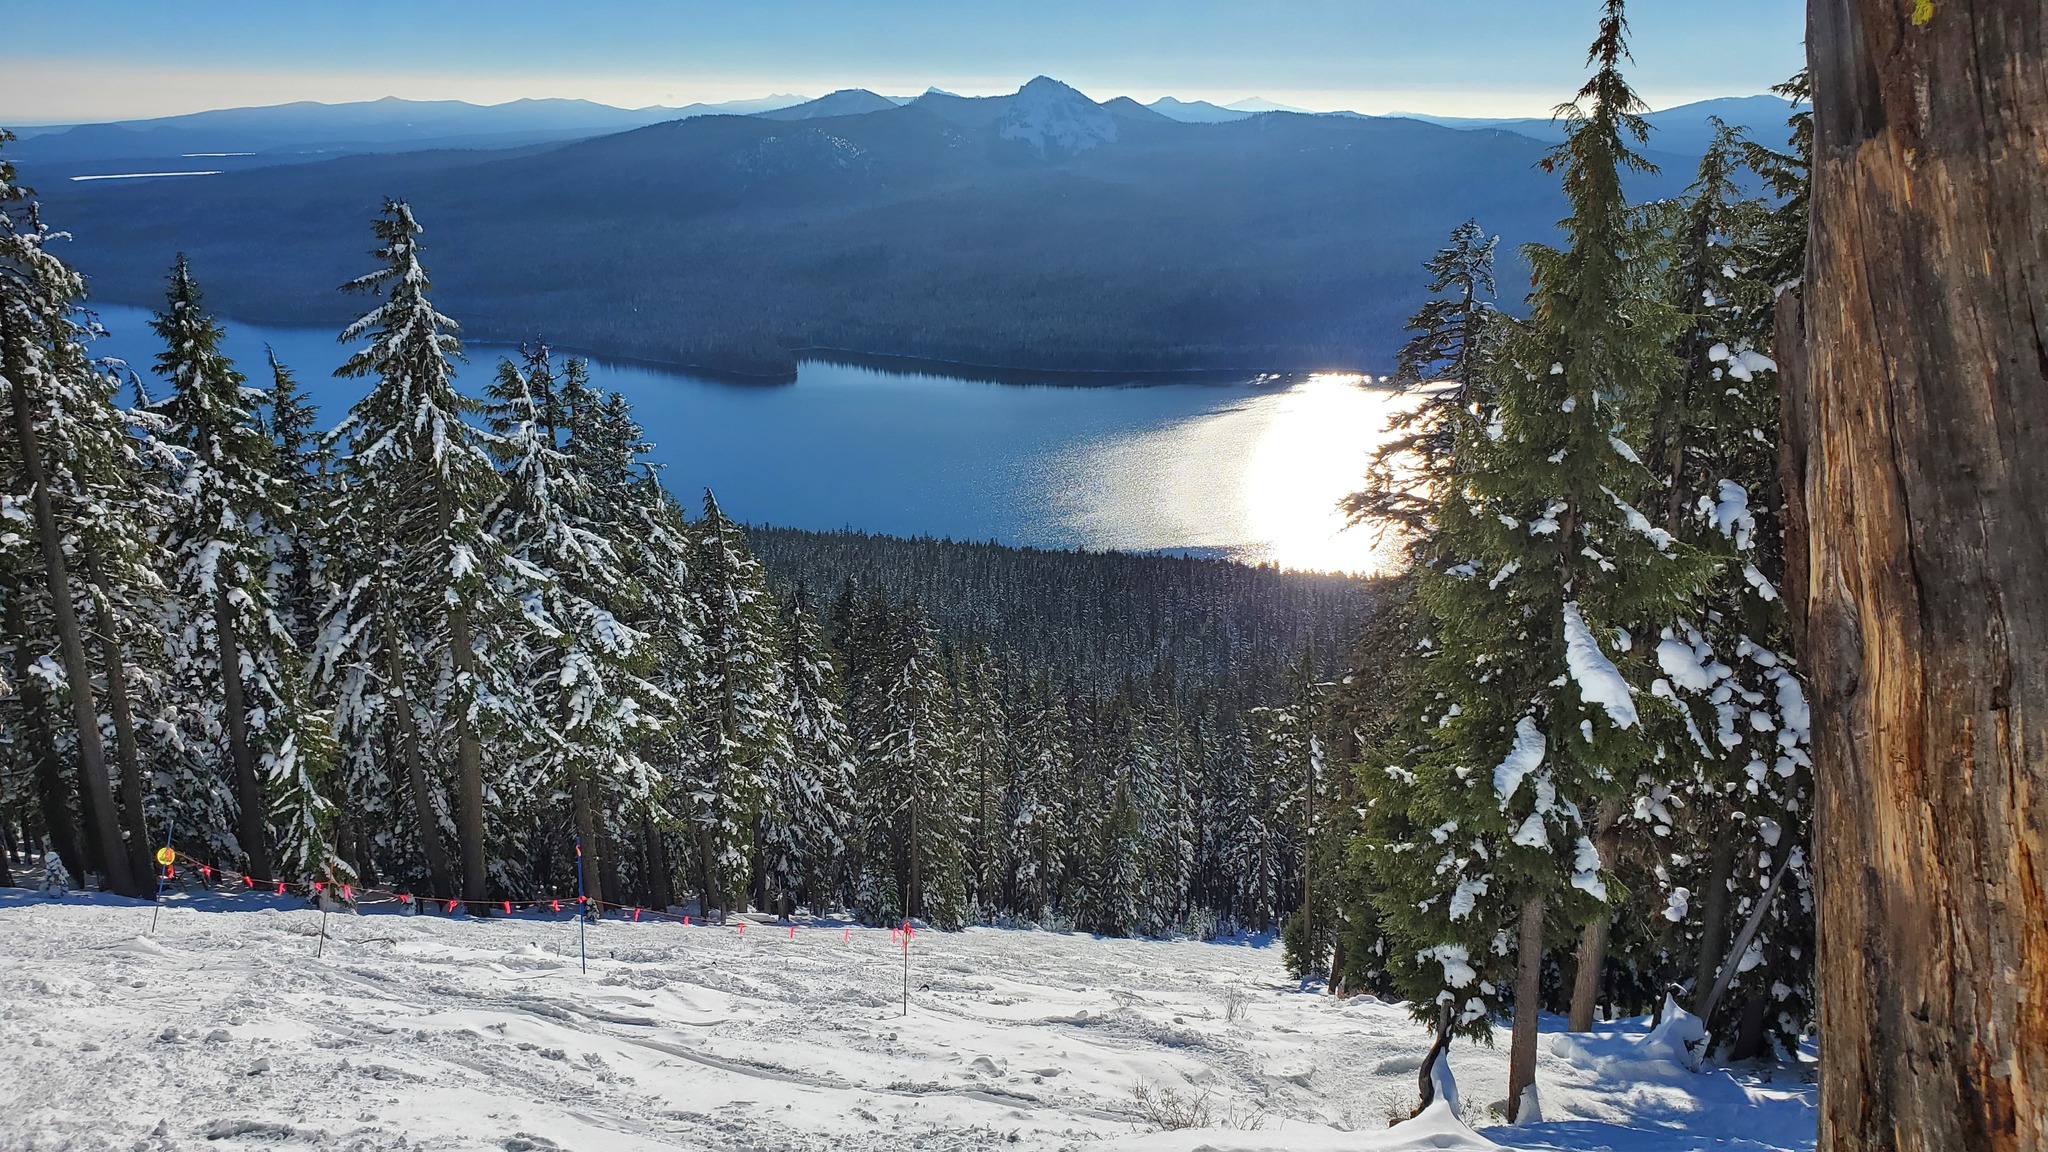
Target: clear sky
[124,59]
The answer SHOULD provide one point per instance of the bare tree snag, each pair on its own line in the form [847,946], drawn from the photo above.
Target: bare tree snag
[1926,485]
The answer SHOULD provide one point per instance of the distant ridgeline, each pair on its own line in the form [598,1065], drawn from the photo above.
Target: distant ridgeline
[1038,230]
[1216,627]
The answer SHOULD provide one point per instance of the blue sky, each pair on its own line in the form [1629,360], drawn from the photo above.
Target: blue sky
[134,58]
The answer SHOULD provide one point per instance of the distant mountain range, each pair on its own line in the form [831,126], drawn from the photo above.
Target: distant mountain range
[306,131]
[1040,229]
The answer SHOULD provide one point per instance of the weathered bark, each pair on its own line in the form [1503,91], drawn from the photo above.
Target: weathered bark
[1926,311]
[1528,994]
[126,750]
[1795,414]
[92,757]
[253,828]
[400,702]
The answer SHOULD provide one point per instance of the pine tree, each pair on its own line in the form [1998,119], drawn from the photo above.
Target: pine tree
[412,640]
[981,720]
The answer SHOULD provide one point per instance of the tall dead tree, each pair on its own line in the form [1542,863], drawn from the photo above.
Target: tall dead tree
[1925,402]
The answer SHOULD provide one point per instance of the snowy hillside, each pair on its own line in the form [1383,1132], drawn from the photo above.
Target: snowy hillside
[224,1031]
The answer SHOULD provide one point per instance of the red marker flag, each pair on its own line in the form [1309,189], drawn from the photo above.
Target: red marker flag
[451,907]
[348,892]
[636,915]
[557,904]
[792,931]
[280,887]
[508,907]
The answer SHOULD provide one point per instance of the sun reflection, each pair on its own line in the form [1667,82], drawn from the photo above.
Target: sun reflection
[1259,479]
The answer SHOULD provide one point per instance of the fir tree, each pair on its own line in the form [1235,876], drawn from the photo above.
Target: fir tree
[1442,366]
[411,641]
[807,809]
[1541,577]
[737,698]
[69,449]
[582,690]
[234,651]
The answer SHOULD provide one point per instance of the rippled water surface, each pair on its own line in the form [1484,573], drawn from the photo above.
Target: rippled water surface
[1251,468]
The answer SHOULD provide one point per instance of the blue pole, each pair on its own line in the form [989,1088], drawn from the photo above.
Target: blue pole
[582,904]
[170,823]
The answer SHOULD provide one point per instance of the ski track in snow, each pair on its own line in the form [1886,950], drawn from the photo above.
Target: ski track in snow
[223,1031]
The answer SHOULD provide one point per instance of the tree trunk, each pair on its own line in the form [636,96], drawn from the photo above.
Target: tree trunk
[41,745]
[1592,960]
[586,837]
[469,753]
[1926,309]
[399,700]
[1528,994]
[1713,921]
[92,757]
[133,817]
[660,883]
[1592,964]
[254,826]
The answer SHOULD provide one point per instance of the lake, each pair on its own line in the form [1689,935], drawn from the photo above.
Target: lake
[1250,468]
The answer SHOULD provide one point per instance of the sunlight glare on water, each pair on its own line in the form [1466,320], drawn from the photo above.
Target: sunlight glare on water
[1259,479]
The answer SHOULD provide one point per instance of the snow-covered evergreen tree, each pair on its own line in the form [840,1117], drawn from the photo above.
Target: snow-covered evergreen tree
[584,700]
[235,655]
[1034,836]
[807,810]
[413,642]
[1543,588]
[908,786]
[737,700]
[70,456]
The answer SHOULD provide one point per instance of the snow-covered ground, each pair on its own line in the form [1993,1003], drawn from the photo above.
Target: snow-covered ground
[223,1030]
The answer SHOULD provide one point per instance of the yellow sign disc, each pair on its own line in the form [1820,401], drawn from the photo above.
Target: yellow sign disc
[166,857]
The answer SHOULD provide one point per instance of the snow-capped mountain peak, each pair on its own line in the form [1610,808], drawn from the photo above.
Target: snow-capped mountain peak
[1053,118]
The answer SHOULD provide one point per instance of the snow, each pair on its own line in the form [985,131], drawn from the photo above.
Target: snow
[1599,681]
[1525,757]
[223,1030]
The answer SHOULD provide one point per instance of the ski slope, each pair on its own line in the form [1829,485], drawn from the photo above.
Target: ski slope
[223,1030]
